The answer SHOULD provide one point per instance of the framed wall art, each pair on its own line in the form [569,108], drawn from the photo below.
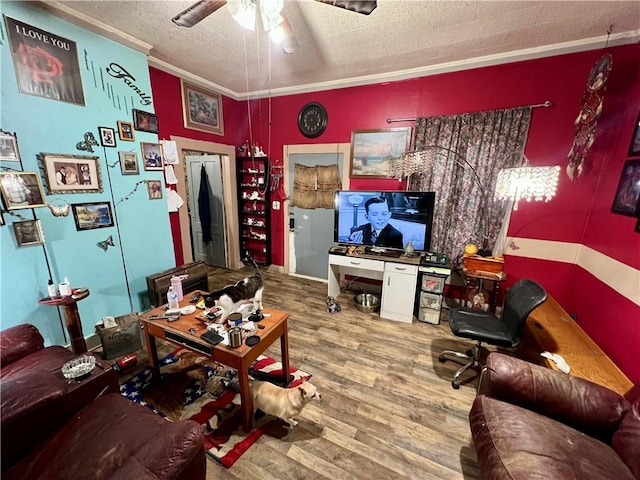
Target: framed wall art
[155,189]
[9,147]
[371,150]
[201,109]
[70,173]
[129,163]
[145,121]
[46,64]
[625,201]
[634,148]
[89,216]
[125,131]
[107,136]
[152,156]
[28,232]
[21,190]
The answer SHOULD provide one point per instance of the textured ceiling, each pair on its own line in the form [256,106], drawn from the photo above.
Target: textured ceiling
[400,39]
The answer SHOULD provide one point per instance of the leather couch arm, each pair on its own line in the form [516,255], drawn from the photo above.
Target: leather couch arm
[583,405]
[18,342]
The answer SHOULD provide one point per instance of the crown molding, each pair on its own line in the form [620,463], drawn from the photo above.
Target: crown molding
[593,43]
[59,10]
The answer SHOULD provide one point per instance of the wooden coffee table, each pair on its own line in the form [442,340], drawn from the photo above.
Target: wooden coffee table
[240,358]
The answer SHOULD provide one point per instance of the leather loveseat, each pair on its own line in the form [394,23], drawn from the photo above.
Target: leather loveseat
[36,399]
[56,429]
[531,422]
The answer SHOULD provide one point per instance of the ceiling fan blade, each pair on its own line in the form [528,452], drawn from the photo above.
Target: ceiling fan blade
[289,43]
[364,7]
[196,12]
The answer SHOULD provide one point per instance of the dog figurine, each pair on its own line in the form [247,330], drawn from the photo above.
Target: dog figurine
[284,403]
[332,305]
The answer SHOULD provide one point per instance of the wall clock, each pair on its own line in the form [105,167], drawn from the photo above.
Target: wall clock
[312,120]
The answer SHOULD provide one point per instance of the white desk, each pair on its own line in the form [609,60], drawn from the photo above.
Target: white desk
[399,279]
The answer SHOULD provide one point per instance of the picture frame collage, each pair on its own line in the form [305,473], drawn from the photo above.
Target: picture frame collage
[626,200]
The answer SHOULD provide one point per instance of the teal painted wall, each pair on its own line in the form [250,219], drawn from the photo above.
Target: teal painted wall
[141,234]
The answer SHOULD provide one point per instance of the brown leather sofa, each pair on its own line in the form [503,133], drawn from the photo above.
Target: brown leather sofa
[531,422]
[53,428]
[36,399]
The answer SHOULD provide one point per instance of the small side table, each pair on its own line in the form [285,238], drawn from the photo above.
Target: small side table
[474,278]
[69,306]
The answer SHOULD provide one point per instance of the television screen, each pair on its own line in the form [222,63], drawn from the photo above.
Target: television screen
[388,219]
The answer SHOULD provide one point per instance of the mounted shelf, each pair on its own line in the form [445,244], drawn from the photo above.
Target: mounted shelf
[255,239]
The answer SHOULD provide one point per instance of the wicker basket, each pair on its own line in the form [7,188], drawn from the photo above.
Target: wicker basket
[476,263]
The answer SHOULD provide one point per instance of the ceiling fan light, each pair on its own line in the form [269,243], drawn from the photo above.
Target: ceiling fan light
[277,35]
[270,11]
[243,12]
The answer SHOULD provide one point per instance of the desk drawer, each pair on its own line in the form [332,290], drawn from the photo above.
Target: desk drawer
[401,268]
[354,262]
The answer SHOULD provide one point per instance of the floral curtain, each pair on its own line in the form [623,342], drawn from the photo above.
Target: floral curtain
[466,153]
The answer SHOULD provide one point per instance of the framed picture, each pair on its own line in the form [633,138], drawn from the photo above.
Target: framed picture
[107,136]
[145,121]
[371,150]
[9,147]
[21,190]
[201,109]
[634,148]
[152,156]
[625,201]
[70,173]
[129,163]
[92,215]
[45,63]
[155,189]
[125,131]
[28,232]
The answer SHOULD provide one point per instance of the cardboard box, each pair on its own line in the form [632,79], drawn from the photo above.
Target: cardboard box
[120,340]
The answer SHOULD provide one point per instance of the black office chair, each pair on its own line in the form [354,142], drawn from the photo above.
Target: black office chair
[521,299]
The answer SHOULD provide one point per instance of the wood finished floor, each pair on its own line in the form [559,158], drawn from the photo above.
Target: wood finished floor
[387,411]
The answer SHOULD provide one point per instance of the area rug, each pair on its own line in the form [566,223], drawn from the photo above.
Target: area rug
[218,411]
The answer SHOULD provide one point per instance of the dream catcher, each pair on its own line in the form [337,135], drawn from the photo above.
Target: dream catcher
[590,110]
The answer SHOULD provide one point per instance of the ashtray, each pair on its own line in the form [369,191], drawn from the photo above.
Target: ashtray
[78,367]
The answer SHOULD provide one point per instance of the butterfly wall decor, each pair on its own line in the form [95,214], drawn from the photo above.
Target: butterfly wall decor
[88,143]
[59,208]
[107,243]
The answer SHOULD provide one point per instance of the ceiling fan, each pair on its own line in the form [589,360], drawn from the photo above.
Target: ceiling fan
[273,19]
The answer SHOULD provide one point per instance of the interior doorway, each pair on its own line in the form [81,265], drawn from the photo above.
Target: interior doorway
[311,230]
[212,252]
[227,155]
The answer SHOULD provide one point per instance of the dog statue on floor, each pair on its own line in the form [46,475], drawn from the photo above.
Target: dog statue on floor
[332,305]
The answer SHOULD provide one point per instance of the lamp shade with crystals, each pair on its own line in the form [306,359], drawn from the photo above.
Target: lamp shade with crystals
[527,183]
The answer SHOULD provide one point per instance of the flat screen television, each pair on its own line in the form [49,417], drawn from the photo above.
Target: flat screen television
[396,217]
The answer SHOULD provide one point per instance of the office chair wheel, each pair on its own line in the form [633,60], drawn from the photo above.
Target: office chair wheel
[442,358]
[455,385]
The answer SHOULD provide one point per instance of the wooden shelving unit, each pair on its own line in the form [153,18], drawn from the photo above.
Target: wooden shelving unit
[254,202]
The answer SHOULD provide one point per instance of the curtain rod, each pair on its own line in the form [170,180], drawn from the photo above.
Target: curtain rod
[546,104]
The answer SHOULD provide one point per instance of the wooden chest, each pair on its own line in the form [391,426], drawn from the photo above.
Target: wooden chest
[476,263]
[158,284]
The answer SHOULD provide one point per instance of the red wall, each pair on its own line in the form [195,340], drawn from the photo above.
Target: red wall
[580,213]
[168,107]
